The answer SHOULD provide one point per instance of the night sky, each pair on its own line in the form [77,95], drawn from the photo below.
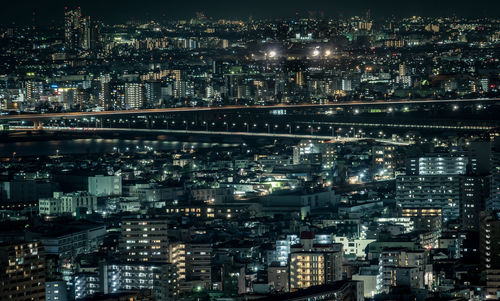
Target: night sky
[116,11]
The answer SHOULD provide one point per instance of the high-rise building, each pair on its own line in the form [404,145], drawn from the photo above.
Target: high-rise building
[314,261]
[473,193]
[90,31]
[56,291]
[430,192]
[159,278]
[104,91]
[22,271]
[402,70]
[193,263]
[144,240]
[153,93]
[437,164]
[72,27]
[310,268]
[489,250]
[134,95]
[494,197]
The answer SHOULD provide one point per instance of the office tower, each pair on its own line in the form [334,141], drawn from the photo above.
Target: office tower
[72,27]
[144,240]
[134,95]
[489,250]
[22,271]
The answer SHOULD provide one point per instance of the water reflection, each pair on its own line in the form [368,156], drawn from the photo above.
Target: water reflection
[93,146]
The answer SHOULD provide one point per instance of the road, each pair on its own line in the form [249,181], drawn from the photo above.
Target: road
[232,107]
[190,132]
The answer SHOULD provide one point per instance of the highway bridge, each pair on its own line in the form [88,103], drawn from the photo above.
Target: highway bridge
[38,118]
[333,139]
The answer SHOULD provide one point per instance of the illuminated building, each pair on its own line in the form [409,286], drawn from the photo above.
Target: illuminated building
[306,269]
[87,284]
[101,185]
[89,34]
[314,152]
[383,162]
[344,290]
[22,272]
[424,218]
[159,278]
[473,193]
[283,249]
[56,291]
[314,262]
[144,240]
[489,249]
[134,97]
[353,247]
[494,198]
[193,264]
[394,264]
[437,165]
[67,203]
[72,27]
[314,268]
[431,192]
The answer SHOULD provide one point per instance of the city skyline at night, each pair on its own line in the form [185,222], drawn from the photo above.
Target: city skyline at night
[233,151]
